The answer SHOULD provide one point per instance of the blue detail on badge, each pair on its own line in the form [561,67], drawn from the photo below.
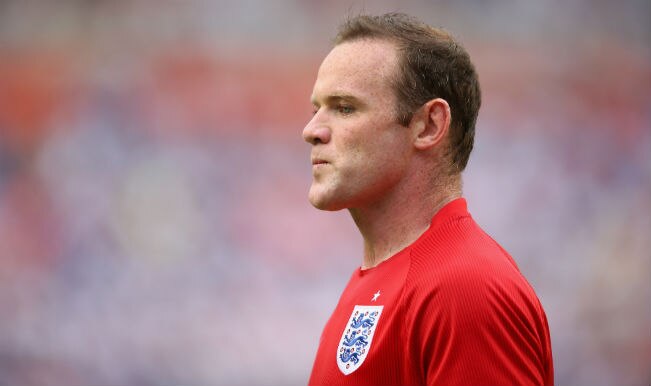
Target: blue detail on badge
[347,356]
[364,323]
[354,340]
[358,339]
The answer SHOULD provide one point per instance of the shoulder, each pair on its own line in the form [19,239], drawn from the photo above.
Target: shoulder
[467,307]
[465,270]
[459,249]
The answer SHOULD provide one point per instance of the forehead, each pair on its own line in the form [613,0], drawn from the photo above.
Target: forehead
[361,68]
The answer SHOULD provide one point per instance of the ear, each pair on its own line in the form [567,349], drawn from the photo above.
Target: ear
[431,123]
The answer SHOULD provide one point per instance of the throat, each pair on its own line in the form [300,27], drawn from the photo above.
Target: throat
[387,247]
[392,229]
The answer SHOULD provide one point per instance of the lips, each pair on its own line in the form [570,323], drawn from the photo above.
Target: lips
[319,161]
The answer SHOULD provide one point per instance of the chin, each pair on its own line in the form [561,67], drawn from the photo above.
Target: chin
[324,202]
[326,205]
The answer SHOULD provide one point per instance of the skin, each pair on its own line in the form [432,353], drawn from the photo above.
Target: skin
[388,176]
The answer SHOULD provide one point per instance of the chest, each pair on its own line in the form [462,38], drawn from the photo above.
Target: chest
[363,342]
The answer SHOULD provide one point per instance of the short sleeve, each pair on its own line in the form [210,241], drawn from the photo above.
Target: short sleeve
[471,328]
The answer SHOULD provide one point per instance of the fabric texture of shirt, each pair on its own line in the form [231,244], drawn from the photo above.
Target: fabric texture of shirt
[450,309]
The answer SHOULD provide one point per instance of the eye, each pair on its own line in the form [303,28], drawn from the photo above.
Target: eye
[345,109]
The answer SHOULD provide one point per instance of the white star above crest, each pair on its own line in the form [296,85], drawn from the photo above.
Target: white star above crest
[376,295]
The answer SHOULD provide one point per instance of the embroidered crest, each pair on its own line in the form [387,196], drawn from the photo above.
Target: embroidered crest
[357,337]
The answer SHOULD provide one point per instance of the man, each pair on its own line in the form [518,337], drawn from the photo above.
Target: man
[436,301]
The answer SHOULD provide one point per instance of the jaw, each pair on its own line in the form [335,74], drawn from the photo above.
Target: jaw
[333,197]
[322,199]
[322,193]
[329,192]
[345,190]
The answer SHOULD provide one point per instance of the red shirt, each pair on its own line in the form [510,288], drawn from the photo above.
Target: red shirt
[450,309]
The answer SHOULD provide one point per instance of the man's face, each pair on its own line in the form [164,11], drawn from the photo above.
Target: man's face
[359,151]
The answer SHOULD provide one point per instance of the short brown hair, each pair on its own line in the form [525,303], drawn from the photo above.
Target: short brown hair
[434,65]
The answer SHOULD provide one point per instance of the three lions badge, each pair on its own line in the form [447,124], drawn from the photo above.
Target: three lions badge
[356,340]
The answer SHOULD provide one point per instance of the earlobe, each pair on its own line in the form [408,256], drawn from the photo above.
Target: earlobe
[431,124]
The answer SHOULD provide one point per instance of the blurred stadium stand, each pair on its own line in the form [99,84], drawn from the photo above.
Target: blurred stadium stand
[154,226]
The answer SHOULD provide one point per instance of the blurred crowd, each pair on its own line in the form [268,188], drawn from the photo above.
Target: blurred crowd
[154,226]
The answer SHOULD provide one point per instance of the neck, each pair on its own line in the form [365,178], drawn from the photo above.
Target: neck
[393,223]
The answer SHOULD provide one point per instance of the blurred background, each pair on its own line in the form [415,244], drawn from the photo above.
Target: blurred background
[154,226]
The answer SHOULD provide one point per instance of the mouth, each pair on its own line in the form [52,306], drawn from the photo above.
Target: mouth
[318,161]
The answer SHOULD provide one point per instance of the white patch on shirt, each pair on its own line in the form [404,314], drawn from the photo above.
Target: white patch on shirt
[356,339]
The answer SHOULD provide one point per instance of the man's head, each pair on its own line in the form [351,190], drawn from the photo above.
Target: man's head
[431,65]
[392,95]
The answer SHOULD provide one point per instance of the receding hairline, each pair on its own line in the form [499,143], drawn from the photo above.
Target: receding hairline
[405,28]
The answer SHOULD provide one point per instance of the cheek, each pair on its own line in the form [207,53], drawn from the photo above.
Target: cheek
[389,145]
[379,156]
[372,141]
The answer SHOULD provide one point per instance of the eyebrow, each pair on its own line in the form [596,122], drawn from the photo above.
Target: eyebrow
[333,99]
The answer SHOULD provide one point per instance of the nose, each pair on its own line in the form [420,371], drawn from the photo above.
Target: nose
[316,131]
